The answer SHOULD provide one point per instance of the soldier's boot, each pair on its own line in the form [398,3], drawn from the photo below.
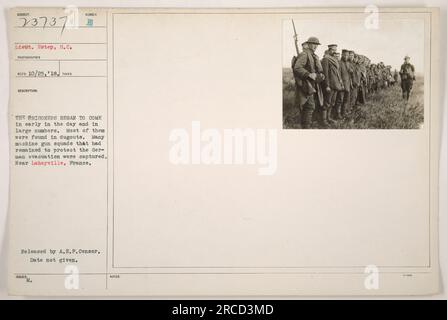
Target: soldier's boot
[339,113]
[306,118]
[336,113]
[323,119]
[329,116]
[343,112]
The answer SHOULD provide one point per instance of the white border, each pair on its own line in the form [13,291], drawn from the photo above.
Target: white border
[4,89]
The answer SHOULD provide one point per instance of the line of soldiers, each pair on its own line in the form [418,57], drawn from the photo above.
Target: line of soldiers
[337,85]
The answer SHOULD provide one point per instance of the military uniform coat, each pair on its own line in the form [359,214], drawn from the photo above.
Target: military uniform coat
[331,71]
[345,71]
[407,71]
[356,75]
[307,62]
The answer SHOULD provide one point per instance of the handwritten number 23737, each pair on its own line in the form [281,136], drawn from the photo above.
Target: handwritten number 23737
[44,22]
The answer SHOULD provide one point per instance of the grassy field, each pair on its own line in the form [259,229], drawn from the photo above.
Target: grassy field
[383,110]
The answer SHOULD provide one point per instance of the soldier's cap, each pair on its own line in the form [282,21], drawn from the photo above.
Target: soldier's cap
[313,40]
[332,46]
[344,50]
[351,51]
[407,57]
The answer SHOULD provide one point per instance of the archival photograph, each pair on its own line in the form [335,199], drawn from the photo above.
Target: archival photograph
[353,74]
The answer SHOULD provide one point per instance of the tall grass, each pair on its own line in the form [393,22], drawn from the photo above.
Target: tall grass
[383,110]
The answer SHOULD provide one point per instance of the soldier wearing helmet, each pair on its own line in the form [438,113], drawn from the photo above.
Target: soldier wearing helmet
[406,78]
[308,73]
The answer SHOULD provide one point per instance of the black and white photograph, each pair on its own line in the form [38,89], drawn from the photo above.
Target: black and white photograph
[353,74]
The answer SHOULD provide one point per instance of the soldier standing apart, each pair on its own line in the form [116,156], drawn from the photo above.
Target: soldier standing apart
[308,73]
[332,83]
[406,78]
[345,95]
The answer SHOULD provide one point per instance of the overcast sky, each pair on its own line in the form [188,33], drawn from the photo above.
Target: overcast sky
[390,43]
